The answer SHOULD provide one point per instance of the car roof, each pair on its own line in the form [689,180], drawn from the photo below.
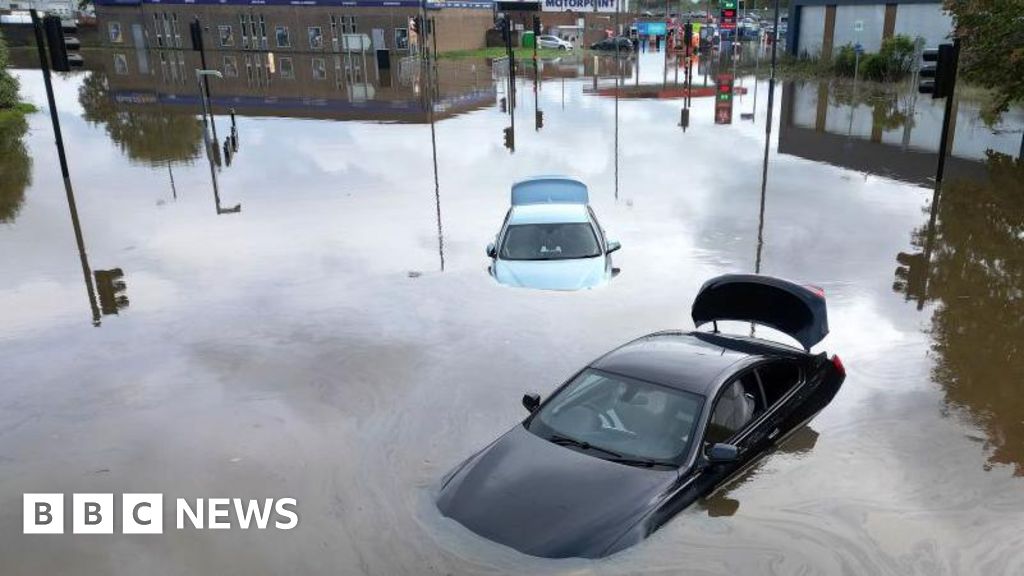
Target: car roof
[548,213]
[695,362]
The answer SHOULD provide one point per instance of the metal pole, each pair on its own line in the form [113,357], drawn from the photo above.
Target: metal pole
[65,173]
[433,143]
[948,116]
[771,78]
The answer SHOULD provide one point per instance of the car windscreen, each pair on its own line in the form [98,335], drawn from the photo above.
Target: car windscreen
[550,242]
[613,417]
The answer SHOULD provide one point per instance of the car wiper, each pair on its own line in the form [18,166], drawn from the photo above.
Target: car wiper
[640,462]
[567,441]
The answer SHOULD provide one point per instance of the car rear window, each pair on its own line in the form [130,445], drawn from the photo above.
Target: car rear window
[550,241]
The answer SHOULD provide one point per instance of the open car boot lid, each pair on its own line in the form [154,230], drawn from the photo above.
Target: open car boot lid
[796,310]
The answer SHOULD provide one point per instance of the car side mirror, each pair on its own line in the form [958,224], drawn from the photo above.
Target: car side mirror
[613,245]
[492,251]
[722,453]
[531,401]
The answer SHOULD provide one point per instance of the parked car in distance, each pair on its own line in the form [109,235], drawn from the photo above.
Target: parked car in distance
[551,239]
[624,44]
[553,42]
[645,430]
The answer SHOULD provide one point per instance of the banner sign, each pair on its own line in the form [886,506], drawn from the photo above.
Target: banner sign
[584,5]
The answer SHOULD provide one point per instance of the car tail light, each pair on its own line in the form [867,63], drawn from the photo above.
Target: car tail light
[837,363]
[818,290]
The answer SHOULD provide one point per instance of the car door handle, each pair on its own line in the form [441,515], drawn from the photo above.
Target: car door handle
[773,434]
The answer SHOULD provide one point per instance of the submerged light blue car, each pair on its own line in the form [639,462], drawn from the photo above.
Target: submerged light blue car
[551,239]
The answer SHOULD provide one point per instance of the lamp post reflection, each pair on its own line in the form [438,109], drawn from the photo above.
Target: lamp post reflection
[212,149]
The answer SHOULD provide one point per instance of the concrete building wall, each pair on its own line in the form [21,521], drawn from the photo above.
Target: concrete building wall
[928,21]
[809,30]
[871,16]
[812,29]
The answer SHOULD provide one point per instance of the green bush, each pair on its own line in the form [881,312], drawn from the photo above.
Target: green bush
[8,83]
[894,60]
[844,61]
[874,67]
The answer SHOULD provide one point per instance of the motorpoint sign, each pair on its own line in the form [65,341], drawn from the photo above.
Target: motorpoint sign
[144,513]
[584,5]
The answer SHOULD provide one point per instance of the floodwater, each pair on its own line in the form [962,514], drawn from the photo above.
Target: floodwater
[315,318]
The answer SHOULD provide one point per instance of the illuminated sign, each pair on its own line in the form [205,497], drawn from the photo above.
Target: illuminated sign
[723,98]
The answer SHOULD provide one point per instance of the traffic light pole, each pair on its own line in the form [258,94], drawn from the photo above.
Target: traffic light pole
[948,116]
[65,173]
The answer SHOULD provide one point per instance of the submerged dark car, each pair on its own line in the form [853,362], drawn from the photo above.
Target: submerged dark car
[624,44]
[650,427]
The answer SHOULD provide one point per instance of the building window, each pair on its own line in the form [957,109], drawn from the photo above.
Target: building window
[319,69]
[348,24]
[283,38]
[120,64]
[114,28]
[231,66]
[177,32]
[263,33]
[287,69]
[401,39]
[227,35]
[244,29]
[316,38]
[157,27]
[254,33]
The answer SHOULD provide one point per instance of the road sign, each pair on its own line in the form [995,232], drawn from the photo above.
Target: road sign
[858,26]
[858,48]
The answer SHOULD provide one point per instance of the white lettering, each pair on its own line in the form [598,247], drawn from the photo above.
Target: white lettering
[253,510]
[218,508]
[292,515]
[195,517]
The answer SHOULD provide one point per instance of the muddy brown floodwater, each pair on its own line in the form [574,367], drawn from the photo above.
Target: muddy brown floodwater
[319,323]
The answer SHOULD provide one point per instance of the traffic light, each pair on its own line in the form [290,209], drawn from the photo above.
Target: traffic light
[688,34]
[64,46]
[110,288]
[503,25]
[510,138]
[195,30]
[940,71]
[538,119]
[536,27]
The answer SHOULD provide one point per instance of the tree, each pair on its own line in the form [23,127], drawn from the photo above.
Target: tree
[152,135]
[8,83]
[992,49]
[975,275]
[15,165]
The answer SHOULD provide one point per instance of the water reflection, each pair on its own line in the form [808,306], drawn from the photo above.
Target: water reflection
[15,166]
[970,264]
[144,130]
[889,133]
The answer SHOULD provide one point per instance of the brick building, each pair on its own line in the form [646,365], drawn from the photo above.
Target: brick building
[286,26]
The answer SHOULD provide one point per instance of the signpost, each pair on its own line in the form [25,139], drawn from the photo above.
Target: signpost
[728,15]
[723,98]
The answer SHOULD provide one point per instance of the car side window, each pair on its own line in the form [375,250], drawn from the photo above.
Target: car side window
[736,406]
[778,378]
[597,225]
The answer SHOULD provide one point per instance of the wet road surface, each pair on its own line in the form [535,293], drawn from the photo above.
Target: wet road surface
[337,339]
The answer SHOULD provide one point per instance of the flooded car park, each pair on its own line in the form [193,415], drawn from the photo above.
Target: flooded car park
[337,339]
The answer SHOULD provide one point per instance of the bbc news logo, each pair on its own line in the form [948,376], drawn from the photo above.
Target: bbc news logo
[144,513]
